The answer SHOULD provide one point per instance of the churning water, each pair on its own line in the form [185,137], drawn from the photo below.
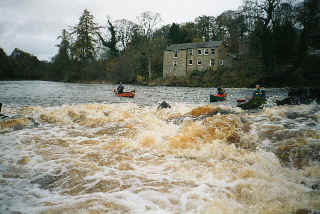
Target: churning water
[76,148]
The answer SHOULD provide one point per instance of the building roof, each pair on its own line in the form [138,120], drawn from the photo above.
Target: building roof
[194,45]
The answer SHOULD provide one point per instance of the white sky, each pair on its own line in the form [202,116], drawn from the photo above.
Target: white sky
[33,25]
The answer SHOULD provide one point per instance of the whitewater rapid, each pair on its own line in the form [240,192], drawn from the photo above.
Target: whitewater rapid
[128,158]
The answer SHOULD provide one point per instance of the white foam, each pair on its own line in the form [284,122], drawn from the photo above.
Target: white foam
[138,177]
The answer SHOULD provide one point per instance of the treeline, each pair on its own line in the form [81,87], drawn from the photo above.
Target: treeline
[274,42]
[21,65]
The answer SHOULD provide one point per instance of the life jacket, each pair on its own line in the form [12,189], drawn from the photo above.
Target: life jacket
[259,93]
[120,89]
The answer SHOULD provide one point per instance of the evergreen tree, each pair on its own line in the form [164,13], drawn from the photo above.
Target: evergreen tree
[64,46]
[175,34]
[62,61]
[5,66]
[86,41]
[189,32]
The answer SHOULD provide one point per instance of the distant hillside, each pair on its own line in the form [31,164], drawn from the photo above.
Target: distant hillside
[21,65]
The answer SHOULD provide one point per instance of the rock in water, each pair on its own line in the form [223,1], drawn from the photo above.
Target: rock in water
[163,105]
[16,123]
[254,103]
[297,96]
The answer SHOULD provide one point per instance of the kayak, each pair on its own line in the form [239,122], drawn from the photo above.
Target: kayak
[217,97]
[129,94]
[241,101]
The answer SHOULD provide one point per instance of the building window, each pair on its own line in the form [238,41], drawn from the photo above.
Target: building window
[190,61]
[190,52]
[199,51]
[174,63]
[175,54]
[213,51]
[221,62]
[206,51]
[211,62]
[199,62]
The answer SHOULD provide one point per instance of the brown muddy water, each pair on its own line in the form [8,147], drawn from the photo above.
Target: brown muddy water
[76,148]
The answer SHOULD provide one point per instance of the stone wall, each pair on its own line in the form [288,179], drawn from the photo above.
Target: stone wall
[174,66]
[180,65]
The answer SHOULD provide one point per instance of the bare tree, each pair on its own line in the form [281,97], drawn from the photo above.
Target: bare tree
[261,17]
[262,10]
[125,30]
[206,27]
[148,22]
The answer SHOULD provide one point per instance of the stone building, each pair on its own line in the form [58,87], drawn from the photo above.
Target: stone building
[181,59]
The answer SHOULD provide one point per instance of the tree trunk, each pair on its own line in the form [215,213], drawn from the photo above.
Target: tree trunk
[149,67]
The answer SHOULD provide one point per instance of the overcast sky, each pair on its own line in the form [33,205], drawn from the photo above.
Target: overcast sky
[33,25]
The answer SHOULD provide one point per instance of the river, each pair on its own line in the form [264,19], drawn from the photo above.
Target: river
[77,148]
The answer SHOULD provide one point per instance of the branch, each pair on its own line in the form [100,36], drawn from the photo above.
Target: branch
[104,42]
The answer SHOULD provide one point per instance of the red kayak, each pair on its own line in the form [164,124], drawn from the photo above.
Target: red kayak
[129,94]
[220,95]
[217,97]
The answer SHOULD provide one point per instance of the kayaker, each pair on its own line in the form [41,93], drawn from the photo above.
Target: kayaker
[2,116]
[120,88]
[221,91]
[258,92]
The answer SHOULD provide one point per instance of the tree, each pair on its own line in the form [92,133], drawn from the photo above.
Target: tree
[112,43]
[231,27]
[284,33]
[5,66]
[189,31]
[25,65]
[162,32]
[64,46]
[62,60]
[206,28]
[137,39]
[262,13]
[309,19]
[148,23]
[175,34]
[125,31]
[86,41]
